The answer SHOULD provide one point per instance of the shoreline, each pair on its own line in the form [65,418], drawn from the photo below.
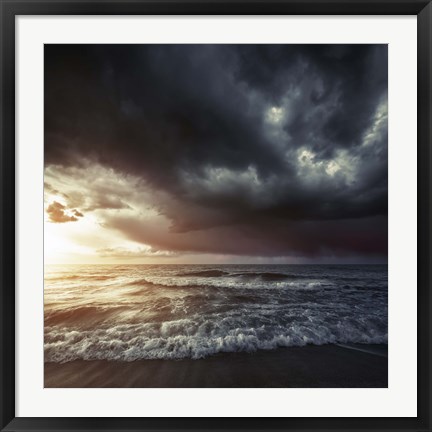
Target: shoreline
[311,366]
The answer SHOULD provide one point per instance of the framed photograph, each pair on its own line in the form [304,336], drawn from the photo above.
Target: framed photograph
[215,216]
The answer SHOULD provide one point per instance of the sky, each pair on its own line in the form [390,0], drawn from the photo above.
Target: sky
[215,154]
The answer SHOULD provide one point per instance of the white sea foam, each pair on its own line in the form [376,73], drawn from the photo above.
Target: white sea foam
[101,345]
[232,282]
[196,338]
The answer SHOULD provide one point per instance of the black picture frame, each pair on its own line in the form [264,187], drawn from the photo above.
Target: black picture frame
[10,9]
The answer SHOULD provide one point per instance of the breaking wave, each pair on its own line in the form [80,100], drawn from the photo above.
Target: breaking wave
[190,339]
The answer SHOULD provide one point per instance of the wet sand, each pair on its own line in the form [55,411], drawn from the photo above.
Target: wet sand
[310,366]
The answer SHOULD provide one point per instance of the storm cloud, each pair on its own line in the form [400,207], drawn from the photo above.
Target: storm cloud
[254,150]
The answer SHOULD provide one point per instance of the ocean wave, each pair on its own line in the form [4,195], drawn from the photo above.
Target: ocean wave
[231,283]
[77,314]
[205,273]
[188,339]
[270,276]
[174,312]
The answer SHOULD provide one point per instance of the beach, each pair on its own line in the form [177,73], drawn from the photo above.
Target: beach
[326,366]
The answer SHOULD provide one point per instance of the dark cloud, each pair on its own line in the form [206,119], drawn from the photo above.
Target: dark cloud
[259,149]
[58,213]
[363,236]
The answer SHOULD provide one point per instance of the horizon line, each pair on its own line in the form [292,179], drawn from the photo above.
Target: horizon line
[167,264]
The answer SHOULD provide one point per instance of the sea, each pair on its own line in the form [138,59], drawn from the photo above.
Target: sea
[135,312]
